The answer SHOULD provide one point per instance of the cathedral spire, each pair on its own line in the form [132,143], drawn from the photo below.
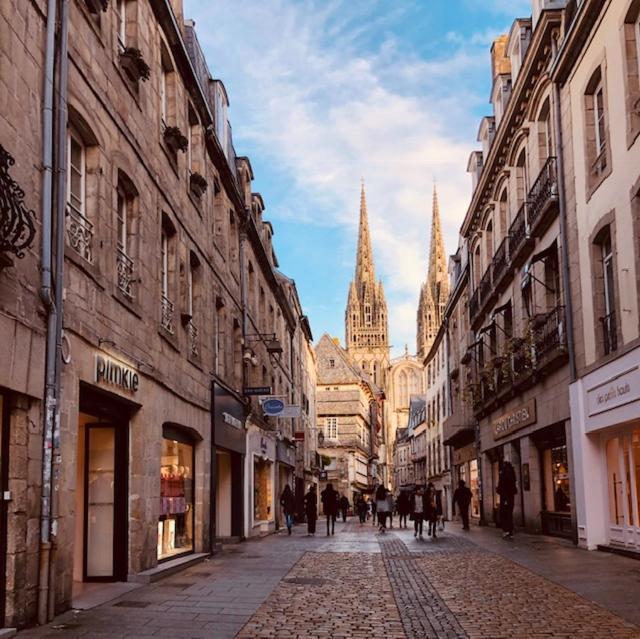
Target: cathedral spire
[437,260]
[365,270]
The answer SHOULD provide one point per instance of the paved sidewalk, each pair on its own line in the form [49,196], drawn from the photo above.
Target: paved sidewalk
[359,583]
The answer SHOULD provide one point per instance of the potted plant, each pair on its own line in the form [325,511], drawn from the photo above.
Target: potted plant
[198,184]
[175,140]
[134,65]
[96,6]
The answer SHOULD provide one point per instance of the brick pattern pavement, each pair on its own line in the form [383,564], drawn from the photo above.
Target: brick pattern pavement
[424,614]
[495,598]
[330,596]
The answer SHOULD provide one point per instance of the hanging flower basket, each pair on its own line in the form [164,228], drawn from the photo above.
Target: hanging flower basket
[96,6]
[134,65]
[197,184]
[175,140]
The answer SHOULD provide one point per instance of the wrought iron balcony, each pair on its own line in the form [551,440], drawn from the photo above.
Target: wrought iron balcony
[167,315]
[125,273]
[500,263]
[519,235]
[543,193]
[550,336]
[80,234]
[485,286]
[609,332]
[17,228]
[474,305]
[192,335]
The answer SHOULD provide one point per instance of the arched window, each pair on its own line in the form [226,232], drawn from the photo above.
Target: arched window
[522,178]
[403,388]
[545,133]
[488,243]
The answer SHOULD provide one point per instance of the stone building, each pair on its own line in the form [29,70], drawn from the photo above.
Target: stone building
[596,74]
[347,408]
[402,466]
[516,362]
[124,447]
[417,435]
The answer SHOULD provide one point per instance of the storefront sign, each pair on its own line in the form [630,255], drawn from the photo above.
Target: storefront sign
[290,411]
[111,372]
[257,390]
[462,455]
[273,407]
[515,419]
[231,420]
[617,391]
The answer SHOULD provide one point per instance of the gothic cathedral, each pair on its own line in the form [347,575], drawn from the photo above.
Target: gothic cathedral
[367,329]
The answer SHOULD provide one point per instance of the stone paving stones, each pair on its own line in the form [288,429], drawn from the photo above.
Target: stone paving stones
[495,598]
[330,595]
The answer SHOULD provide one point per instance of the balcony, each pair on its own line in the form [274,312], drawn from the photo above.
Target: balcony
[474,305]
[543,199]
[17,228]
[550,339]
[609,333]
[501,265]
[486,288]
[80,234]
[519,238]
[192,337]
[167,315]
[125,273]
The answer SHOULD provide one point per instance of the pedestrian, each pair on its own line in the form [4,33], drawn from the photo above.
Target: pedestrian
[329,498]
[363,510]
[311,510]
[344,507]
[374,511]
[507,490]
[430,511]
[287,501]
[381,508]
[439,510]
[462,496]
[417,504]
[403,504]
[390,507]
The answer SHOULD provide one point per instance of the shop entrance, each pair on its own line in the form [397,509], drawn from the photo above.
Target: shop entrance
[100,551]
[4,475]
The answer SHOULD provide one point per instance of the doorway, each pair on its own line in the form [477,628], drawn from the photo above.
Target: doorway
[4,477]
[101,499]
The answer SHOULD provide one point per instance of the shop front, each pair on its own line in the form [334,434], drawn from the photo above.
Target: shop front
[261,457]
[465,467]
[606,447]
[230,446]
[285,458]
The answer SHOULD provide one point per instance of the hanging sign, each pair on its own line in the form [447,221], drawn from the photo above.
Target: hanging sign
[273,407]
[257,390]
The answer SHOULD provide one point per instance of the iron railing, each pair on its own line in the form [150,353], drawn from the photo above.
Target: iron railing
[17,227]
[518,231]
[544,189]
[80,234]
[500,261]
[192,334]
[474,304]
[485,286]
[167,315]
[609,332]
[125,273]
[550,336]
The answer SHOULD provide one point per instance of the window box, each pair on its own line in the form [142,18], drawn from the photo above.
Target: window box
[175,140]
[96,6]
[197,184]
[134,65]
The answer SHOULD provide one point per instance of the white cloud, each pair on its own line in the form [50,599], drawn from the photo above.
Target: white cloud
[326,111]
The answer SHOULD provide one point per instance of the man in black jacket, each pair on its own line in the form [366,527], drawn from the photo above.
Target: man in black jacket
[329,498]
[462,496]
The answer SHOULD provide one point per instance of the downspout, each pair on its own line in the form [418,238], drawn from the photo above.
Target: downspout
[566,279]
[60,227]
[46,293]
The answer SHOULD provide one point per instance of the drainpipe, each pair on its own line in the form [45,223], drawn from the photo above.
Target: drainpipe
[46,293]
[566,280]
[61,201]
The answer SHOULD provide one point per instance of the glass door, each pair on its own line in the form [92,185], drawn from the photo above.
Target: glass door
[105,504]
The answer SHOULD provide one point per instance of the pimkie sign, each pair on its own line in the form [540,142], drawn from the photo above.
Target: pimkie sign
[116,374]
[523,415]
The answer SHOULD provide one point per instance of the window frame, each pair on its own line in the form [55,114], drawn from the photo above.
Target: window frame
[121,24]
[331,428]
[74,136]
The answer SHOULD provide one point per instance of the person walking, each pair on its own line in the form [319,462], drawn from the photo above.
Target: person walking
[363,509]
[507,489]
[381,508]
[439,510]
[462,496]
[311,510]
[417,504]
[344,507]
[287,501]
[374,511]
[390,507]
[430,511]
[403,504]
[329,498]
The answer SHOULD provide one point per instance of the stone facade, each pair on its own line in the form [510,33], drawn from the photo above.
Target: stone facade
[170,279]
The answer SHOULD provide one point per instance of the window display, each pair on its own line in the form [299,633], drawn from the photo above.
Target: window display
[262,490]
[474,485]
[556,472]
[175,526]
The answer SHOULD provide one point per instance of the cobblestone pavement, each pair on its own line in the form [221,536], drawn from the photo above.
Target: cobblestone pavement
[360,584]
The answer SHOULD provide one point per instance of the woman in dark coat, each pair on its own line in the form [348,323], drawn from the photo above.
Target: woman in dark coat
[403,504]
[382,508]
[311,509]
[329,498]
[507,490]
[288,503]
[431,510]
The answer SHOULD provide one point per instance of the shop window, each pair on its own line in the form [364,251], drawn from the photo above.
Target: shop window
[556,476]
[176,522]
[474,485]
[262,489]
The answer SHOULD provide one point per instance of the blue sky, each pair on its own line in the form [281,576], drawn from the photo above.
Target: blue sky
[324,92]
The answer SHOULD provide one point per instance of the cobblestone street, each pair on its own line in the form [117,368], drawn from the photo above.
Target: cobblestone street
[362,584]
